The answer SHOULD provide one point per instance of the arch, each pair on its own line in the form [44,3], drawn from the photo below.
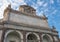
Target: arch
[10,31]
[51,40]
[34,34]
[55,39]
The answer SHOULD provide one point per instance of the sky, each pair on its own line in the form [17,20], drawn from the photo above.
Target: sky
[51,8]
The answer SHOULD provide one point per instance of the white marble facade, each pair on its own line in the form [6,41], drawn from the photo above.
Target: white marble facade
[20,26]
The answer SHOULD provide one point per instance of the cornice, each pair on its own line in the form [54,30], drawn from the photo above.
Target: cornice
[26,25]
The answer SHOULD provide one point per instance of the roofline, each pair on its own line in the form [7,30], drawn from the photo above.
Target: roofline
[27,6]
[15,11]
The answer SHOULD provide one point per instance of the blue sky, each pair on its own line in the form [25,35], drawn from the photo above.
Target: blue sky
[51,8]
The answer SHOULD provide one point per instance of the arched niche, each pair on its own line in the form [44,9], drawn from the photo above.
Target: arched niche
[46,38]
[13,36]
[32,37]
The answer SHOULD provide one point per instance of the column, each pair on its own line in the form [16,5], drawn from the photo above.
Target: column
[40,37]
[24,36]
[2,34]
